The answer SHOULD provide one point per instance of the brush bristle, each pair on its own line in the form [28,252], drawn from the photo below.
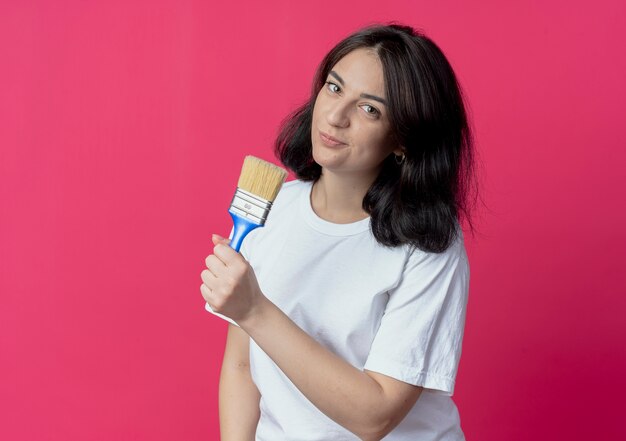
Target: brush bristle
[261,178]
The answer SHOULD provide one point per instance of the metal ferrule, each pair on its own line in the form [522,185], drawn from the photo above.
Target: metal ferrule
[250,206]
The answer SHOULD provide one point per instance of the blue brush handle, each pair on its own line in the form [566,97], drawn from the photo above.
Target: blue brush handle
[242,227]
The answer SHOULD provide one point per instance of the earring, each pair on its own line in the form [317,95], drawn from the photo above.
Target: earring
[402,157]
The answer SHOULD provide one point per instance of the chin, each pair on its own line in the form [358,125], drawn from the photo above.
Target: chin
[326,158]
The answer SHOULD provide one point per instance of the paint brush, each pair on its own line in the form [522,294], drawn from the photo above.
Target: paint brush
[259,184]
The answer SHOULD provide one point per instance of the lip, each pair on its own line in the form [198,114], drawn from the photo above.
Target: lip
[329,140]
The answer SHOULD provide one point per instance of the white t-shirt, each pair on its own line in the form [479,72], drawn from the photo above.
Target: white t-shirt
[397,311]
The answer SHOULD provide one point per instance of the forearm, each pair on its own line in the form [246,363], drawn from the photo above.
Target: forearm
[344,393]
[239,396]
[238,404]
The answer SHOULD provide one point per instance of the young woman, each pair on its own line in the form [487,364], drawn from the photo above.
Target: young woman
[351,300]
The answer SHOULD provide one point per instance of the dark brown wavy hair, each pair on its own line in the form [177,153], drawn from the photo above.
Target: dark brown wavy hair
[421,201]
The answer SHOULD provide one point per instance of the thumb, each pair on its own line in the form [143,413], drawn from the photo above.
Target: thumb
[219,239]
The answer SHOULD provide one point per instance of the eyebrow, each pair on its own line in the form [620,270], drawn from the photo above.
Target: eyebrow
[363,95]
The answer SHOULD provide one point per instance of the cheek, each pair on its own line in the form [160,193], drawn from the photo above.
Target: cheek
[317,106]
[377,144]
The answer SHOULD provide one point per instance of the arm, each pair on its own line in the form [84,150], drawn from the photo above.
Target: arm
[238,395]
[366,403]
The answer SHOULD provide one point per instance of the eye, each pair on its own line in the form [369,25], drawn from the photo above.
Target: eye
[374,110]
[330,85]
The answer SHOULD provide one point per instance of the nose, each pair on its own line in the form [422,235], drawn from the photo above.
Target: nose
[338,115]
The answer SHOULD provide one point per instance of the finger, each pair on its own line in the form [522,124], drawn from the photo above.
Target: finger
[215,265]
[206,293]
[209,259]
[208,278]
[226,254]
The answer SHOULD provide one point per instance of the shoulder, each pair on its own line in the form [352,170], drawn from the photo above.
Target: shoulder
[454,257]
[281,213]
[292,187]
[289,192]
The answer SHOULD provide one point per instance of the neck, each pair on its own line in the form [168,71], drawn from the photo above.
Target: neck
[339,198]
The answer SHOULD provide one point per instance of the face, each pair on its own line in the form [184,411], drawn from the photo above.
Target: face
[349,108]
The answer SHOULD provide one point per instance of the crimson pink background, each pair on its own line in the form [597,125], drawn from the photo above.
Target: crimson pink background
[123,126]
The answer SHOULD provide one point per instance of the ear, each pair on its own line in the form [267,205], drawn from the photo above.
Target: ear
[399,150]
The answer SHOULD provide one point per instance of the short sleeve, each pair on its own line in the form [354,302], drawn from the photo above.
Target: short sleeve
[421,331]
